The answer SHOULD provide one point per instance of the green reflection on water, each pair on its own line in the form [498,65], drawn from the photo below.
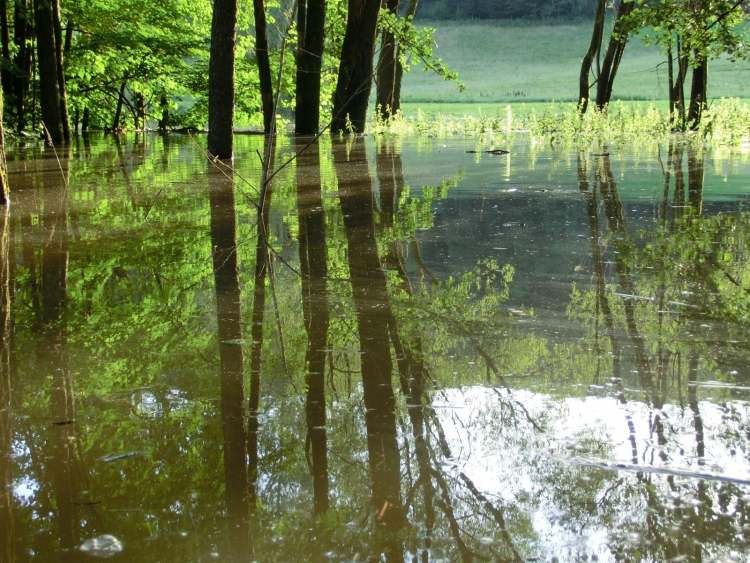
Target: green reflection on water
[408,351]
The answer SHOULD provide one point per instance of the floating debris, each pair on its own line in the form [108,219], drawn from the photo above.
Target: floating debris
[103,547]
[118,457]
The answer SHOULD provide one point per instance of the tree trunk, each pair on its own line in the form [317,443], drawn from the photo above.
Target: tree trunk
[411,12]
[221,79]
[355,69]
[60,63]
[118,108]
[6,75]
[140,112]
[386,82]
[611,63]
[698,92]
[164,121]
[264,64]
[48,82]
[4,187]
[588,59]
[310,29]
[22,62]
[85,120]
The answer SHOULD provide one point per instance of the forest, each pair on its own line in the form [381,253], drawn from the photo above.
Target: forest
[374,280]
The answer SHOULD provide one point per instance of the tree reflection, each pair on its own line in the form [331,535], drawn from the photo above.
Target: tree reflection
[229,323]
[314,271]
[7,539]
[370,293]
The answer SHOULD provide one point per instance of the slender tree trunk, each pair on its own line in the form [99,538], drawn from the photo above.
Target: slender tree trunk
[611,63]
[164,121]
[6,74]
[140,112]
[264,64]
[386,71]
[221,79]
[355,69]
[310,41]
[588,59]
[4,186]
[118,108]
[698,91]
[85,120]
[411,12]
[60,64]
[48,79]
[22,62]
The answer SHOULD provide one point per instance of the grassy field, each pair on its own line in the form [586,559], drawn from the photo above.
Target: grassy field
[526,62]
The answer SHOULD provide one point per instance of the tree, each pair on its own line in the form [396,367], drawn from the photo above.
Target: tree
[221,79]
[4,186]
[48,72]
[588,59]
[310,43]
[387,63]
[356,68]
[264,64]
[616,48]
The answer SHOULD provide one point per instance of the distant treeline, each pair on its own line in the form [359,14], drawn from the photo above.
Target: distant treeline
[505,9]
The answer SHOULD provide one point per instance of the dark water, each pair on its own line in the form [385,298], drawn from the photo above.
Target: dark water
[412,353]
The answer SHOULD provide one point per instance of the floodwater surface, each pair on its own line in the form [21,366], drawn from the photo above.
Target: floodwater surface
[407,352]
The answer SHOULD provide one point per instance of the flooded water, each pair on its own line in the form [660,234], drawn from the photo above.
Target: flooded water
[412,352]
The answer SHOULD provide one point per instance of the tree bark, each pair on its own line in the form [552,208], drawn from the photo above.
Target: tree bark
[611,63]
[4,186]
[588,59]
[386,71]
[47,64]
[60,63]
[698,92]
[6,75]
[22,61]
[221,79]
[310,41]
[355,69]
[118,108]
[264,64]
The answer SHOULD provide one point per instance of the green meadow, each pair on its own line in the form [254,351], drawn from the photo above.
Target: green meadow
[503,62]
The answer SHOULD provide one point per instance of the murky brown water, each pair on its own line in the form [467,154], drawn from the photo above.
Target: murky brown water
[438,356]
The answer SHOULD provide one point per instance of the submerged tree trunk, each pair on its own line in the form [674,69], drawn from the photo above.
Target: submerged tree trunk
[22,61]
[310,29]
[611,63]
[164,120]
[60,64]
[221,79]
[588,59]
[264,64]
[48,79]
[386,70]
[698,91]
[355,69]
